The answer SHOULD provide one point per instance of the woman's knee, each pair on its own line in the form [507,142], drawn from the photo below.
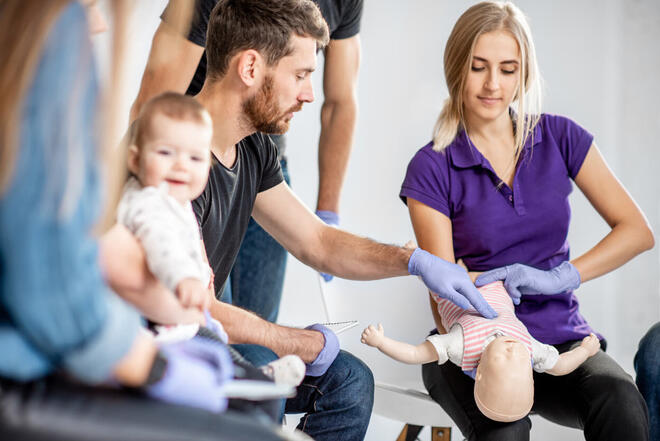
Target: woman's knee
[619,394]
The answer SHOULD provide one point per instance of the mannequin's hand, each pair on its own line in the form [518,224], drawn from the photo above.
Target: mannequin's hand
[373,336]
[591,344]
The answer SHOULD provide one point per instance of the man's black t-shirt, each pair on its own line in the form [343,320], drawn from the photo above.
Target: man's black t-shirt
[343,18]
[224,208]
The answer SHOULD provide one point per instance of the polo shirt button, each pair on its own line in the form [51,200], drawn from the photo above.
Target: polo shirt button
[510,198]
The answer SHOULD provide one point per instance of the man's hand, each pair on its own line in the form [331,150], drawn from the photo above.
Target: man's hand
[522,279]
[448,281]
[330,218]
[327,355]
[373,336]
[193,294]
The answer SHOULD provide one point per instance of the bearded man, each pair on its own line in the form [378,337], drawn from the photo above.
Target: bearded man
[260,57]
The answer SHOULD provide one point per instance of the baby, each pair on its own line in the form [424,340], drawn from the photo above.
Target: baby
[169,160]
[169,157]
[499,354]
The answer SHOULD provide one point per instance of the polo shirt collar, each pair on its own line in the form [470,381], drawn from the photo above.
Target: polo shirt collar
[465,155]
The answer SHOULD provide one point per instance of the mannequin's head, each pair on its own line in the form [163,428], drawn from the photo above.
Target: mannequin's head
[504,385]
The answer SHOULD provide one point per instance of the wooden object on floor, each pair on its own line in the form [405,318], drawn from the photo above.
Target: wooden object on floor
[440,433]
[411,431]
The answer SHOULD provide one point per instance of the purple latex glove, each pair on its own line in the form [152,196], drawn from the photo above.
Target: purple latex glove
[522,279]
[195,375]
[327,355]
[216,327]
[449,281]
[330,218]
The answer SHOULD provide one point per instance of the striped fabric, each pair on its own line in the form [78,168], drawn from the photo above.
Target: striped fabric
[477,329]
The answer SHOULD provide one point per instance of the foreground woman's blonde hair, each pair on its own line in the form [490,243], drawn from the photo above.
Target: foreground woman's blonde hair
[479,19]
[24,28]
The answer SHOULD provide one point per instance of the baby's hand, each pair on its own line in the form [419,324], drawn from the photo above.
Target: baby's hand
[193,294]
[591,344]
[373,336]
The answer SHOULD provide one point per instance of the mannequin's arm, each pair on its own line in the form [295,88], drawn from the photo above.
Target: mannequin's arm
[570,360]
[403,352]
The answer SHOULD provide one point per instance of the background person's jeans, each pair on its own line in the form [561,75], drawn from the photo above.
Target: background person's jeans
[599,397]
[647,367]
[337,405]
[256,280]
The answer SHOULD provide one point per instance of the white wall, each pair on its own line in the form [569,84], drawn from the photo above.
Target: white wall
[601,68]
[600,65]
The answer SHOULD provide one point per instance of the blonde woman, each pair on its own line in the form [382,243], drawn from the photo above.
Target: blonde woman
[492,189]
[62,331]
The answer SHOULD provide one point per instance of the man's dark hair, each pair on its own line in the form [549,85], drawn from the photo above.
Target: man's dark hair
[263,25]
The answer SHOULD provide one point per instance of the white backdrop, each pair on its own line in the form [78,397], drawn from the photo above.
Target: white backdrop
[600,63]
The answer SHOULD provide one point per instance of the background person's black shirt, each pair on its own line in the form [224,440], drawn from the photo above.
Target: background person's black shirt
[343,18]
[223,210]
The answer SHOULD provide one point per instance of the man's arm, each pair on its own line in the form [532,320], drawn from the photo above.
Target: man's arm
[125,268]
[338,116]
[171,65]
[325,248]
[245,327]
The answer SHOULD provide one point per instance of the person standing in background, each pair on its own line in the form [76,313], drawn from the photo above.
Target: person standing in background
[179,64]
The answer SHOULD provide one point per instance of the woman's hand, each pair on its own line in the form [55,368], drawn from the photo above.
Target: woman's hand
[522,279]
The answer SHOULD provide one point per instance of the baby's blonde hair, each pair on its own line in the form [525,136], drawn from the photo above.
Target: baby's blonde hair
[171,104]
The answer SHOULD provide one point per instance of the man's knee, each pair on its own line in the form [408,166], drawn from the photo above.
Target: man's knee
[355,380]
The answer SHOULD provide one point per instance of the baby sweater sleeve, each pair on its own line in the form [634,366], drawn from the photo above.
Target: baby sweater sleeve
[544,357]
[448,346]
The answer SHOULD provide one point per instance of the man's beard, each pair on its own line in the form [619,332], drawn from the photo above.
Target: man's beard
[263,113]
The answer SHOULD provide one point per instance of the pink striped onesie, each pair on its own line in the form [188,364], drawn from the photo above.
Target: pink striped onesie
[477,329]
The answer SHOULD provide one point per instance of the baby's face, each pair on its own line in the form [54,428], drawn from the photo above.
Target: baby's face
[504,386]
[505,350]
[177,152]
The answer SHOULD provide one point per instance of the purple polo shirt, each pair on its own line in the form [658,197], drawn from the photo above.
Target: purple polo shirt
[526,224]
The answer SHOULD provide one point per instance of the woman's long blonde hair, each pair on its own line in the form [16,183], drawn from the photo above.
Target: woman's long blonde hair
[479,19]
[24,27]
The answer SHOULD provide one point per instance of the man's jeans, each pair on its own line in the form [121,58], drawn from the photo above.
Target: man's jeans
[337,405]
[647,366]
[255,282]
